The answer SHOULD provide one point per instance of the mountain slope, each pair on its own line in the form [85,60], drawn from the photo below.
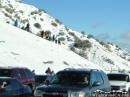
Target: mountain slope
[107,56]
[20,48]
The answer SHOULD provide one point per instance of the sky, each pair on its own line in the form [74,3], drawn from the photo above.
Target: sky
[106,20]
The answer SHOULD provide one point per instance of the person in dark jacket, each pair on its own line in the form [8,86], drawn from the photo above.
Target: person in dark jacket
[42,34]
[53,38]
[16,23]
[48,71]
[27,27]
[59,43]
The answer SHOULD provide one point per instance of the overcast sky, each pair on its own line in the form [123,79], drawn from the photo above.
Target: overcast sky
[107,20]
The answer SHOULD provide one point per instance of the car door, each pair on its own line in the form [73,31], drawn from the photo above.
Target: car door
[92,80]
[102,84]
[30,77]
[23,77]
[17,88]
[7,91]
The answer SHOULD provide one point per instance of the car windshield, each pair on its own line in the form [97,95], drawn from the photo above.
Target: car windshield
[72,78]
[119,77]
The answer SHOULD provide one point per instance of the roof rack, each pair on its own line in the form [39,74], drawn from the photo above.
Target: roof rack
[12,67]
[69,68]
[96,70]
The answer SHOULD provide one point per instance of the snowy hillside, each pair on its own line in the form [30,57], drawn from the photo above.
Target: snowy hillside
[19,48]
[25,48]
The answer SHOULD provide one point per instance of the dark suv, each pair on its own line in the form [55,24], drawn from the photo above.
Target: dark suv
[23,74]
[74,83]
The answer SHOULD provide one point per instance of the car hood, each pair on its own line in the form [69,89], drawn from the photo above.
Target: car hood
[117,83]
[61,87]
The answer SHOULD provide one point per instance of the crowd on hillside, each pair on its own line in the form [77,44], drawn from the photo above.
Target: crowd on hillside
[44,34]
[27,27]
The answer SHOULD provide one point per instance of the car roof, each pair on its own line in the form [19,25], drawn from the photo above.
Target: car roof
[6,78]
[79,70]
[42,75]
[119,73]
[12,67]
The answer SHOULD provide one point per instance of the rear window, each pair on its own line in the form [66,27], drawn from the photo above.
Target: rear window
[119,77]
[40,78]
[5,73]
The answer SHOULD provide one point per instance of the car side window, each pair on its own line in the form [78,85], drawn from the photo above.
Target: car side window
[22,74]
[29,73]
[105,78]
[93,78]
[8,86]
[15,74]
[16,85]
[99,77]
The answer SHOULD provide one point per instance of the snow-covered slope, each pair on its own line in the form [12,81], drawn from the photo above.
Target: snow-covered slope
[20,48]
[108,56]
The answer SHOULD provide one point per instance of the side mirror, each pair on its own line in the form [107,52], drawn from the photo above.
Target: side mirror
[96,83]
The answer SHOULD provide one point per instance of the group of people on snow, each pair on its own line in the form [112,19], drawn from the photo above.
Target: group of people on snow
[27,27]
[44,34]
[49,36]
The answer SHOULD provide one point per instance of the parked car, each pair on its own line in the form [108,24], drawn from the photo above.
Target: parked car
[119,81]
[40,79]
[23,74]
[72,82]
[14,88]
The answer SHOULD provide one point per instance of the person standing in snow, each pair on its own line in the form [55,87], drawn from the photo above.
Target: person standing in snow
[42,34]
[59,43]
[53,38]
[16,23]
[27,27]
[48,71]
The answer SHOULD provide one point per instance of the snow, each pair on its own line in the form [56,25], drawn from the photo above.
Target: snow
[23,49]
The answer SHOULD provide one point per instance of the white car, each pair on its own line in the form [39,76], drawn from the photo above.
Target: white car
[119,81]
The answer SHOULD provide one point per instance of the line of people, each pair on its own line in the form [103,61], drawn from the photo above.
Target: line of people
[27,27]
[50,37]
[44,34]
